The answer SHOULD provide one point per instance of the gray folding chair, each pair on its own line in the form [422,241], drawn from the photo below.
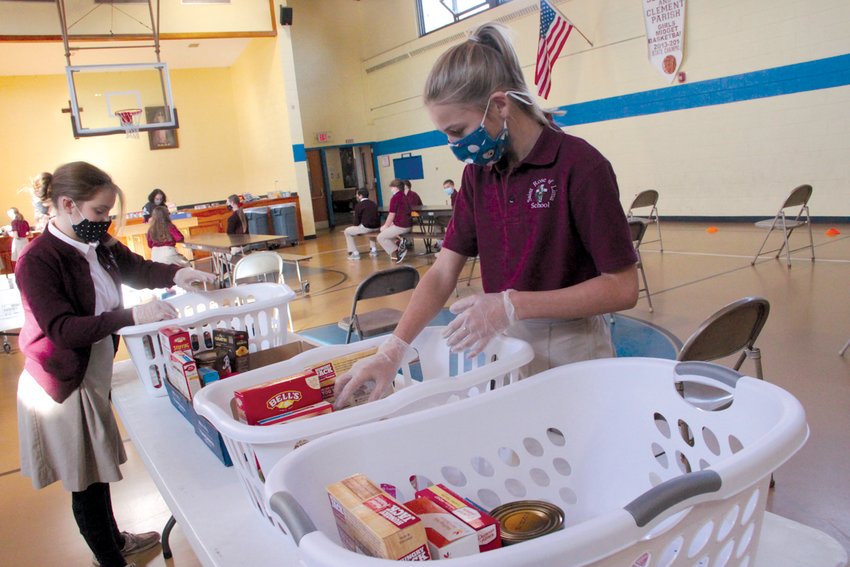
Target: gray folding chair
[379,284]
[732,329]
[638,229]
[642,200]
[787,221]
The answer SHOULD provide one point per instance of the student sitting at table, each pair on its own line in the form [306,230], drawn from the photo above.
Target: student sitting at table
[449,189]
[366,220]
[398,223]
[237,222]
[413,198]
[162,237]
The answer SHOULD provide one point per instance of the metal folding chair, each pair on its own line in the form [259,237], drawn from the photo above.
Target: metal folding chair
[799,197]
[638,229]
[642,200]
[262,266]
[379,284]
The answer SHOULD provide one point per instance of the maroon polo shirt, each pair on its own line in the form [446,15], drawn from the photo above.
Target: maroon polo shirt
[399,206]
[553,222]
[413,199]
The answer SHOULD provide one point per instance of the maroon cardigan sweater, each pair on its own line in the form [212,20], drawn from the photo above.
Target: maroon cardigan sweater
[58,298]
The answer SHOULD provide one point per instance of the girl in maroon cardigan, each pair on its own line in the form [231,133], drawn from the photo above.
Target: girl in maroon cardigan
[70,281]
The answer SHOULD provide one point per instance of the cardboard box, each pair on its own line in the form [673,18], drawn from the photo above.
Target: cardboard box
[310,411]
[183,373]
[203,428]
[447,535]
[236,344]
[371,521]
[277,397]
[329,370]
[486,527]
[174,339]
[277,354]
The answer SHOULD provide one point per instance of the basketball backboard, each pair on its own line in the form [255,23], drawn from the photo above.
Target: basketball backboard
[99,91]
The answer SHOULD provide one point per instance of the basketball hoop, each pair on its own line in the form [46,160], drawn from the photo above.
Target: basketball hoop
[129,118]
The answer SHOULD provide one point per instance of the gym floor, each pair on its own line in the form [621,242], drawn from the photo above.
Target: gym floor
[697,274]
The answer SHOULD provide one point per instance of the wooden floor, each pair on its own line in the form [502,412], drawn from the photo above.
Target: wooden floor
[697,273]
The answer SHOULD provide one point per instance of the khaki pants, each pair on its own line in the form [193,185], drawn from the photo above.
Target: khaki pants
[387,238]
[353,231]
[557,341]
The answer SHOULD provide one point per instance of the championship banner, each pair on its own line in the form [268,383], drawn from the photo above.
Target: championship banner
[665,34]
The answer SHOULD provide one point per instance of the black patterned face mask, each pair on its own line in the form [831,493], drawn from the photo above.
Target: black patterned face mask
[90,231]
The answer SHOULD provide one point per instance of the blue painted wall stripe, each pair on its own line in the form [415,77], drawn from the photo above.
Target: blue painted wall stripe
[777,81]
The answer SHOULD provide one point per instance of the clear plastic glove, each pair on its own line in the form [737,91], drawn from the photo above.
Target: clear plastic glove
[479,319]
[186,277]
[380,368]
[153,311]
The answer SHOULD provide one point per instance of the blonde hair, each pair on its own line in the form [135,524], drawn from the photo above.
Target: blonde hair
[159,224]
[472,71]
[18,215]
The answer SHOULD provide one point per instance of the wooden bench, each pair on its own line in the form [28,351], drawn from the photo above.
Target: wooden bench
[296,259]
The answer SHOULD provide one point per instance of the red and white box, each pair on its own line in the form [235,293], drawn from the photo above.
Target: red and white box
[448,536]
[183,374]
[276,397]
[486,526]
[310,411]
[174,339]
[372,522]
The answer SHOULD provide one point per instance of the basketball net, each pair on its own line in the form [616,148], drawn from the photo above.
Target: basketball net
[130,118]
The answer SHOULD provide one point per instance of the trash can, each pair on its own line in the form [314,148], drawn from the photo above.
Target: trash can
[258,220]
[283,221]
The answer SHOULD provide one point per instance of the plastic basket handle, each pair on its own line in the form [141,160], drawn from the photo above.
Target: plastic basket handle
[658,499]
[716,372]
[292,514]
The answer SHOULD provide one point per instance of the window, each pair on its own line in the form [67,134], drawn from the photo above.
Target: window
[435,14]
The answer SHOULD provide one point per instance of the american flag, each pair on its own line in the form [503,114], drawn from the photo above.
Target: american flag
[554,30]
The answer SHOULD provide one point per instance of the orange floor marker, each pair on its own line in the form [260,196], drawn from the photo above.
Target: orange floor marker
[711,229]
[833,232]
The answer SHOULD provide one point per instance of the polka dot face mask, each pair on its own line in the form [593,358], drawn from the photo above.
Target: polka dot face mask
[88,230]
[478,147]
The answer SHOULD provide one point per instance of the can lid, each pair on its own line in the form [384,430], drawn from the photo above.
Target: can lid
[527,519]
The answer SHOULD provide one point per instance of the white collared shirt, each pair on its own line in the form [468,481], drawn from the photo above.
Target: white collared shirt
[106,293]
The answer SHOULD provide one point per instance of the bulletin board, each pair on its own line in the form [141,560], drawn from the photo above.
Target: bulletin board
[408,166]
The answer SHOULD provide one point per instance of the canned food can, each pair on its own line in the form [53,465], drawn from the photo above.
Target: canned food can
[215,359]
[527,519]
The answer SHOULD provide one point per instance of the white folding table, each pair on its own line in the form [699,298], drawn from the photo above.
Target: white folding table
[211,507]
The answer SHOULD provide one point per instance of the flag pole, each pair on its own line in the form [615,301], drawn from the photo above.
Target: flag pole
[571,23]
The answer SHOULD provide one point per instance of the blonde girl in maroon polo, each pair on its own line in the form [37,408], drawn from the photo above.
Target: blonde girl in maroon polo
[540,208]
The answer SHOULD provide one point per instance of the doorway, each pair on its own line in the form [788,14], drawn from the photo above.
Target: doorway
[318,190]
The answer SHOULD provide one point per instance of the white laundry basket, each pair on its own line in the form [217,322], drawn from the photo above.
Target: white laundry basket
[609,441]
[259,309]
[446,377]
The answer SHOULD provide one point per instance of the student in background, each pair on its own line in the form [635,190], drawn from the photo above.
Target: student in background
[70,281]
[155,199]
[19,230]
[398,222]
[237,222]
[413,198]
[366,220]
[449,189]
[162,238]
[539,207]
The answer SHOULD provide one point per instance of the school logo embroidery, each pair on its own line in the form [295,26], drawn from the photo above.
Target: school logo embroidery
[542,193]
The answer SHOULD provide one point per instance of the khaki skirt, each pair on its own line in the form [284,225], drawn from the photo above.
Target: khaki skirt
[76,442]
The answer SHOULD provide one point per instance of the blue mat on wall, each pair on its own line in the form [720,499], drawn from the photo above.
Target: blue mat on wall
[632,337]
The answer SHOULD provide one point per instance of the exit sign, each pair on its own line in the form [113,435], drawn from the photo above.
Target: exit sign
[323,136]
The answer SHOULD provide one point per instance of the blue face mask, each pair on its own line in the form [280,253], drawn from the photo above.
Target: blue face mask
[478,147]
[449,190]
